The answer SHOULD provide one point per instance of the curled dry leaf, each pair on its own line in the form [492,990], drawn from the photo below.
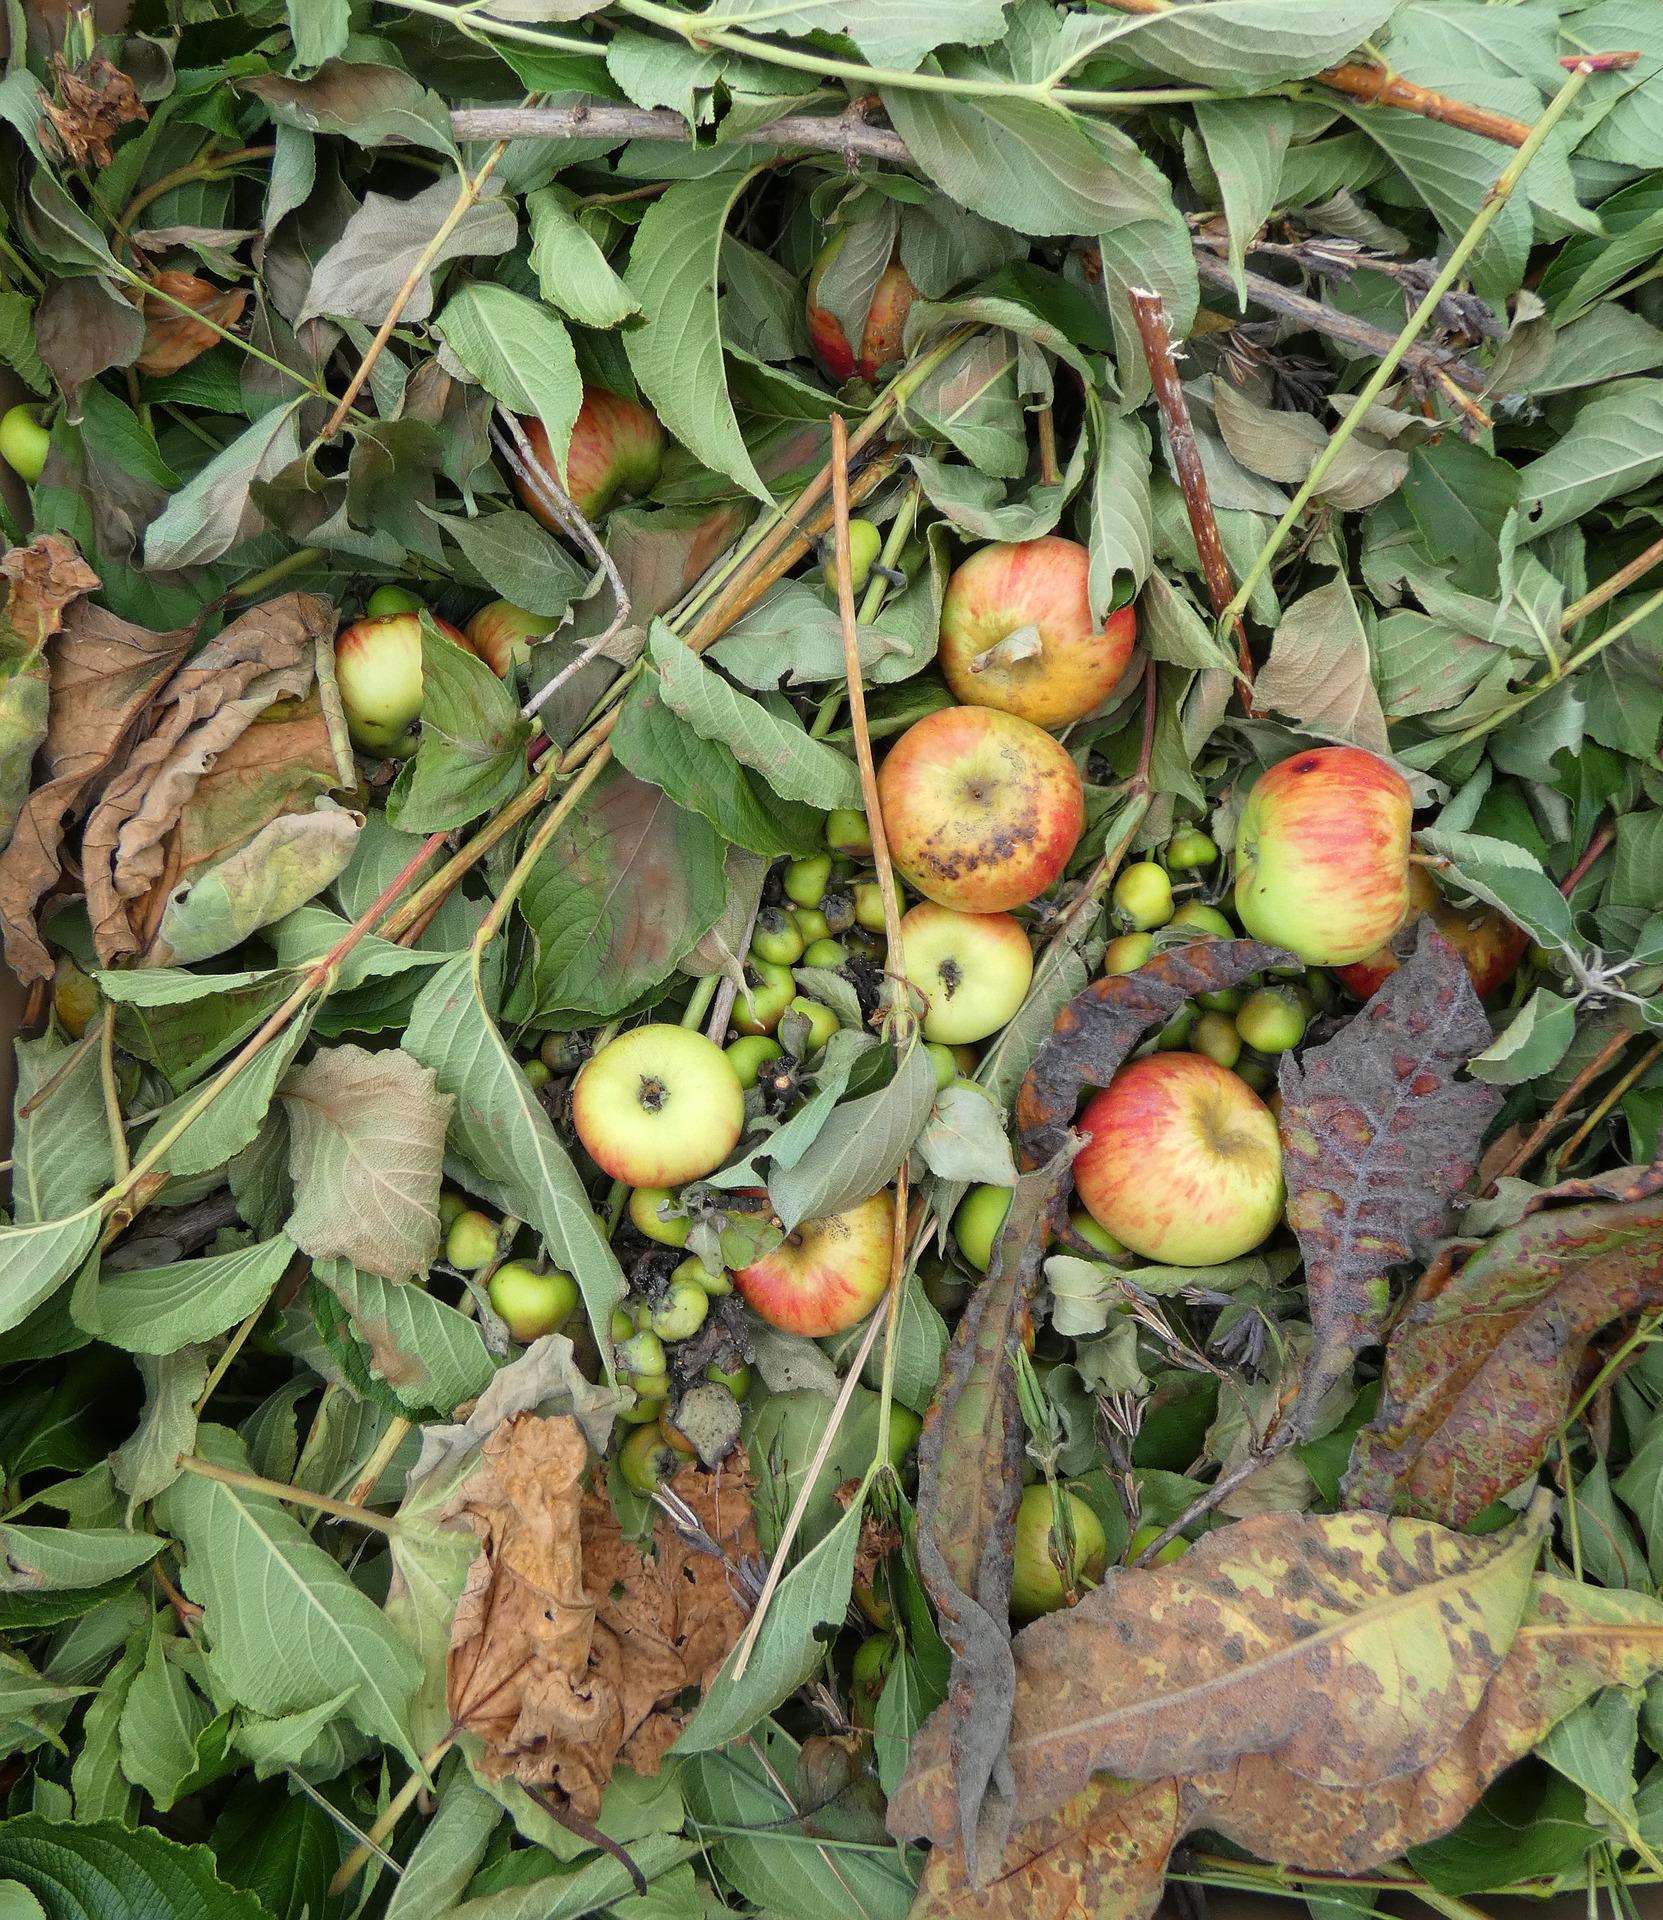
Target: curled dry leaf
[45,576]
[104,671]
[173,338]
[1379,1137]
[95,100]
[266,655]
[1482,1364]
[571,1643]
[1106,1850]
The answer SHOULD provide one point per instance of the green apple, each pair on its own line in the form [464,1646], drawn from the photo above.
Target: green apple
[538,1073]
[1271,1020]
[1190,848]
[822,1022]
[680,1312]
[24,442]
[1038,1584]
[847,831]
[865,544]
[641,1353]
[1127,952]
[644,1204]
[378,671]
[451,1204]
[387,600]
[777,938]
[769,990]
[981,1213]
[75,997]
[737,1380]
[1215,1035]
[646,1459]
[532,1303]
[824,953]
[1145,1537]
[811,923]
[946,1067]
[658,1106]
[1093,1234]
[868,899]
[868,1672]
[1143,896]
[1197,917]
[750,1054]
[973,969]
[694,1271]
[807,879]
[471,1242]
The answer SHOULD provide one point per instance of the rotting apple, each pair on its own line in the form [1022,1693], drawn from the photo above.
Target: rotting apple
[647,1459]
[378,671]
[885,323]
[1017,633]
[750,1054]
[530,1303]
[616,450]
[1182,1164]
[983,808]
[826,1274]
[501,634]
[973,969]
[24,442]
[1038,1581]
[658,1106]
[1489,943]
[1322,855]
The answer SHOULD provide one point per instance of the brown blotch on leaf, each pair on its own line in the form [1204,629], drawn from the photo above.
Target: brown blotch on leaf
[95,100]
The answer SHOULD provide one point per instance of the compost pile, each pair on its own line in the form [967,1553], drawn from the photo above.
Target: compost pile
[835,838]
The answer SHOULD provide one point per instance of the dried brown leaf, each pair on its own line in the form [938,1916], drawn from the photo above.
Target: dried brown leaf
[46,577]
[571,1644]
[104,672]
[83,327]
[95,100]
[173,339]
[1482,1363]
[1379,1137]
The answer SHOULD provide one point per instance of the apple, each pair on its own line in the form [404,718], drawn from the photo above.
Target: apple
[387,600]
[1093,1235]
[471,1241]
[647,1459]
[24,442]
[658,1106]
[1190,848]
[777,938]
[750,1054]
[981,1213]
[1215,1035]
[1182,1164]
[807,879]
[847,829]
[501,634]
[946,1066]
[1062,665]
[1200,918]
[75,997]
[616,450]
[769,990]
[1145,1537]
[886,319]
[867,896]
[868,1672]
[1490,944]
[865,544]
[973,970]
[451,1205]
[826,1274]
[680,1311]
[822,1022]
[983,808]
[694,1269]
[737,1380]
[825,952]
[1127,952]
[378,670]
[1143,897]
[644,1204]
[1322,855]
[1270,1020]
[529,1302]
[1037,1580]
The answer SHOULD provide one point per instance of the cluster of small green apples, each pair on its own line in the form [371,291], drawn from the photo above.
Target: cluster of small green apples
[529,1298]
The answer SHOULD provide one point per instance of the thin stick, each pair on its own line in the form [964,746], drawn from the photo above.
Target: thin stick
[848,134]
[1625,576]
[1216,1494]
[1497,197]
[1192,475]
[1594,849]
[281,1490]
[222,1365]
[113,1122]
[380,1459]
[371,1845]
[1549,1120]
[1607,1101]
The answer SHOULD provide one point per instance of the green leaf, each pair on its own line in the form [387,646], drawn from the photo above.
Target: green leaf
[387,239]
[1319,670]
[429,1354]
[36,1260]
[859,1149]
[367,102]
[789,1143]
[208,514]
[284,1627]
[1532,1043]
[100,1870]
[1459,497]
[1614,445]
[812,1597]
[1236,44]
[155,1309]
[1245,141]
[964,1138]
[519,352]
[61,1148]
[319,29]
[283,1847]
[572,272]
[149,1461]
[451,1847]
[796,767]
[519,558]
[890,33]
[58,1573]
[502,1128]
[1506,876]
[677,353]
[1122,532]
[170,1739]
[234,1116]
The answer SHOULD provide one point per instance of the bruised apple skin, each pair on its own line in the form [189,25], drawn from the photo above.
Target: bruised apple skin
[1322,855]
[1040,584]
[1183,1163]
[886,319]
[1490,944]
[378,671]
[616,451]
[983,809]
[826,1274]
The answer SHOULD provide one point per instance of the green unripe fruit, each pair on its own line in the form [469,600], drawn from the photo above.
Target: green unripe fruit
[1143,896]
[867,1673]
[811,923]
[946,1067]
[758,1008]
[642,1352]
[904,1428]
[777,938]
[1189,849]
[694,1271]
[1037,1583]
[737,1380]
[806,880]
[1093,1234]
[824,953]
[976,1224]
[749,1056]
[621,1325]
[1199,918]
[472,1241]
[865,544]
[1320,987]
[451,1204]
[24,442]
[681,1311]
[847,831]
[537,1073]
[646,1459]
[1145,1537]
[868,897]
[1222,999]
[1215,1035]
[1271,1021]
[644,1203]
[387,600]
[1176,1032]
[75,997]
[1127,952]
[530,1303]
[1256,1074]
[822,1022]
[563,1052]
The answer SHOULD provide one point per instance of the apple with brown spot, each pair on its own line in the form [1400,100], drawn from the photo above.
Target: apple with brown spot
[826,1274]
[1017,633]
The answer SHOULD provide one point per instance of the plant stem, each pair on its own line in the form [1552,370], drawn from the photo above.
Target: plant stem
[381,1456]
[113,1123]
[396,1808]
[547,828]
[222,1365]
[201,169]
[1549,1120]
[281,1490]
[1607,1101]
[1498,196]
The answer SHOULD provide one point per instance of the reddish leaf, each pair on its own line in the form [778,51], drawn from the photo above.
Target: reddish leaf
[1378,1138]
[1482,1364]
[172,338]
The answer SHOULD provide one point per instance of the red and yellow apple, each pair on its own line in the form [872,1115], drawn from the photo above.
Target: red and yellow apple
[501,634]
[1059,664]
[826,1274]
[1183,1164]
[616,450]
[1322,855]
[1489,943]
[973,969]
[886,319]
[378,671]
[658,1106]
[982,808]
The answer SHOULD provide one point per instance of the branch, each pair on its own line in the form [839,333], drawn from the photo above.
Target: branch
[849,134]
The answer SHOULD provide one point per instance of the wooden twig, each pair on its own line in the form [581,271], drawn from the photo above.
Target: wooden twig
[1192,476]
[1624,577]
[1591,853]
[1527,1152]
[849,134]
